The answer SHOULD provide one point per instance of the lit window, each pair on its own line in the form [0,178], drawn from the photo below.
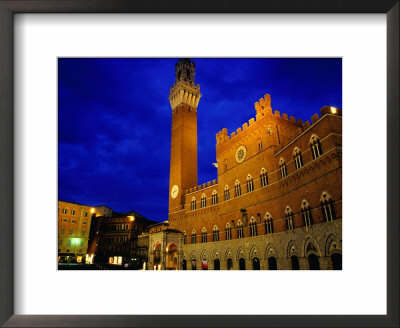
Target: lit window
[203,235]
[269,225]
[215,234]
[226,192]
[328,208]
[306,213]
[203,200]
[263,178]
[240,229]
[228,231]
[250,183]
[289,218]
[214,197]
[193,203]
[193,236]
[315,146]
[282,168]
[253,227]
[238,190]
[298,159]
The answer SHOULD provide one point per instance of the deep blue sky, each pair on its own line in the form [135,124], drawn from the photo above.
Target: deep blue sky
[114,119]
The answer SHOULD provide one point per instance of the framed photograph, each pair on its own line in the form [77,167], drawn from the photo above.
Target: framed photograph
[88,94]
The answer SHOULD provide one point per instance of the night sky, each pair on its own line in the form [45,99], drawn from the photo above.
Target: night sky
[114,119]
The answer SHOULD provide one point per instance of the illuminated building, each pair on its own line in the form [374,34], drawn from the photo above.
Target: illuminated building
[276,202]
[113,239]
[74,221]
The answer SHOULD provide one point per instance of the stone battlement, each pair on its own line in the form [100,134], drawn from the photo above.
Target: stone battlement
[263,108]
[202,186]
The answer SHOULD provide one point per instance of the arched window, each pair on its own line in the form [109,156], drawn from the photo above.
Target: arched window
[242,264]
[215,234]
[203,200]
[295,263]
[250,183]
[240,229]
[336,261]
[253,226]
[289,218]
[238,190]
[216,264]
[272,265]
[315,146]
[328,208]
[184,238]
[226,165]
[203,235]
[229,264]
[214,197]
[298,159]
[269,225]
[194,236]
[193,203]
[228,231]
[313,262]
[259,143]
[263,178]
[226,192]
[256,263]
[282,168]
[306,213]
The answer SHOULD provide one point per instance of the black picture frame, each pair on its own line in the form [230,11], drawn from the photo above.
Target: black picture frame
[10,7]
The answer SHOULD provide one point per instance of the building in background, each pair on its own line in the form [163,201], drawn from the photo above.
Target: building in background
[277,199]
[114,239]
[74,221]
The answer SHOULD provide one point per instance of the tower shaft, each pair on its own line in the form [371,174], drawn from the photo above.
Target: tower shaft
[184,98]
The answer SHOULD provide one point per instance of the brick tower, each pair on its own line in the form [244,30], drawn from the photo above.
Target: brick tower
[184,97]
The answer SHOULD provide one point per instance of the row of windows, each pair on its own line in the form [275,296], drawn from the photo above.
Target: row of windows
[312,261]
[73,212]
[71,232]
[298,160]
[64,220]
[114,240]
[315,147]
[328,212]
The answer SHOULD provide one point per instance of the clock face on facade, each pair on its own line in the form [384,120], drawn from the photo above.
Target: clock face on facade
[240,154]
[174,191]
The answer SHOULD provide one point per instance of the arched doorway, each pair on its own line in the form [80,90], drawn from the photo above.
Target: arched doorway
[242,264]
[216,264]
[272,265]
[295,263]
[172,257]
[313,262]
[157,256]
[229,264]
[256,263]
[194,264]
[184,265]
[336,259]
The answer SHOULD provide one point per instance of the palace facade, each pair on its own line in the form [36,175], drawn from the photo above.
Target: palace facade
[276,202]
